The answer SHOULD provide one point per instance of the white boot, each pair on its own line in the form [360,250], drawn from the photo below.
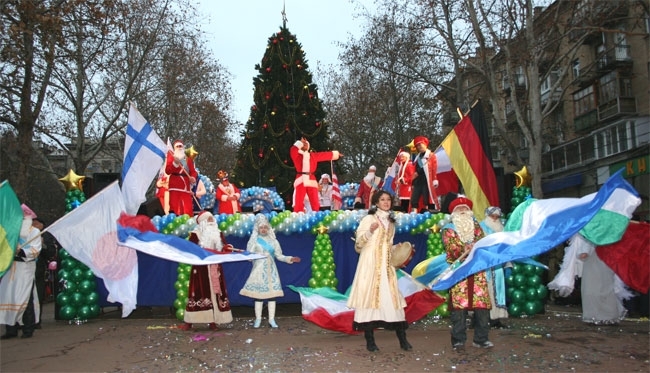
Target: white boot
[271,306]
[258,314]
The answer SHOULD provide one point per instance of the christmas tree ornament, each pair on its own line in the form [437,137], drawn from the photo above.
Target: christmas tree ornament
[72,181]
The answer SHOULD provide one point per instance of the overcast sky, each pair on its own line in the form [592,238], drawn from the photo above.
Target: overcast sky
[238,32]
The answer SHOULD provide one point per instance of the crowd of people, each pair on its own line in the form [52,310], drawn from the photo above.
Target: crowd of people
[374,294]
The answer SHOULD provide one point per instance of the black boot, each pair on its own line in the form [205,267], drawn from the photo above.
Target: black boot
[12,332]
[403,343]
[370,341]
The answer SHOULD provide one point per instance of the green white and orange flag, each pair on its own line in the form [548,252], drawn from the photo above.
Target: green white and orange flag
[465,151]
[11,219]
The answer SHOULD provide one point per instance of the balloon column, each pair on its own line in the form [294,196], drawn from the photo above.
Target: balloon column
[322,262]
[525,293]
[432,223]
[78,298]
[207,200]
[180,226]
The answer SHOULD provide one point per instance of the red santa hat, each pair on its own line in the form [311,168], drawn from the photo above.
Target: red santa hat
[222,175]
[27,212]
[177,142]
[204,216]
[459,201]
[420,140]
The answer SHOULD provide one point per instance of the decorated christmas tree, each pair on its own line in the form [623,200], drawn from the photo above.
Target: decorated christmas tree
[286,108]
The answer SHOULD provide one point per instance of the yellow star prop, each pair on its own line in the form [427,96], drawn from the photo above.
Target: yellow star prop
[72,181]
[322,229]
[191,152]
[522,177]
[435,228]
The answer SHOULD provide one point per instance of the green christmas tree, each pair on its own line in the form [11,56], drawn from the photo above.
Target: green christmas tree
[286,108]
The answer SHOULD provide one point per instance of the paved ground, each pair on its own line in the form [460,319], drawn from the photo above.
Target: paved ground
[148,341]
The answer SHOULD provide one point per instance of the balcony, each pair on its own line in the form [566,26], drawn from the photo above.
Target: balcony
[586,122]
[617,107]
[614,58]
[553,96]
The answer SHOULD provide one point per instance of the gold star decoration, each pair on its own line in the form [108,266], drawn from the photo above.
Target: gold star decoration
[191,152]
[322,229]
[434,228]
[72,181]
[522,177]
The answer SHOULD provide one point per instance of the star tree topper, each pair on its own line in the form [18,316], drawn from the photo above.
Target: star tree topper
[72,181]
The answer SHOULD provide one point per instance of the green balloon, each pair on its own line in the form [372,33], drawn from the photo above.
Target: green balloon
[67,312]
[86,286]
[318,275]
[178,285]
[63,274]
[315,267]
[178,303]
[518,296]
[313,283]
[534,281]
[529,269]
[519,280]
[84,312]
[515,310]
[180,314]
[77,299]
[335,282]
[77,274]
[92,298]
[71,286]
[63,299]
[181,293]
[443,310]
[530,308]
[531,294]
[326,282]
[182,276]
[89,275]
[542,292]
[64,254]
[94,310]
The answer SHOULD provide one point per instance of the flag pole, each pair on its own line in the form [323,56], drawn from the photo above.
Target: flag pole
[451,268]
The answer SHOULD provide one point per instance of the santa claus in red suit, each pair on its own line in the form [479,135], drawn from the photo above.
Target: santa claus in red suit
[227,194]
[306,183]
[182,176]
[402,184]
[425,178]
[370,184]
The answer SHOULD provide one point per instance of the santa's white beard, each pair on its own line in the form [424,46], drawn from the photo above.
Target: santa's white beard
[370,177]
[179,154]
[464,222]
[25,228]
[210,236]
[495,225]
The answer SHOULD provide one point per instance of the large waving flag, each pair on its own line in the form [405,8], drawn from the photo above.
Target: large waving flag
[466,151]
[89,234]
[11,219]
[547,223]
[176,249]
[629,258]
[328,308]
[144,153]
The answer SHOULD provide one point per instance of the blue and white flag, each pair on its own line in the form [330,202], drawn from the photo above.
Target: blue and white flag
[547,223]
[176,249]
[391,175]
[144,154]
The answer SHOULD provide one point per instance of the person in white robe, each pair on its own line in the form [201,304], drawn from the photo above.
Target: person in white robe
[374,294]
[19,304]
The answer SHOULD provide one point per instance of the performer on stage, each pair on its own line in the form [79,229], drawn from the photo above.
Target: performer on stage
[227,195]
[425,179]
[325,191]
[403,182]
[162,191]
[370,184]
[305,183]
[496,275]
[182,176]
[207,297]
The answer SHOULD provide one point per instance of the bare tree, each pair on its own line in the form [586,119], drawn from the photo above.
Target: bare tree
[378,102]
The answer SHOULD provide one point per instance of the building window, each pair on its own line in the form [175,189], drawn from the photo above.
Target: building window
[587,148]
[575,68]
[584,101]
[614,140]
